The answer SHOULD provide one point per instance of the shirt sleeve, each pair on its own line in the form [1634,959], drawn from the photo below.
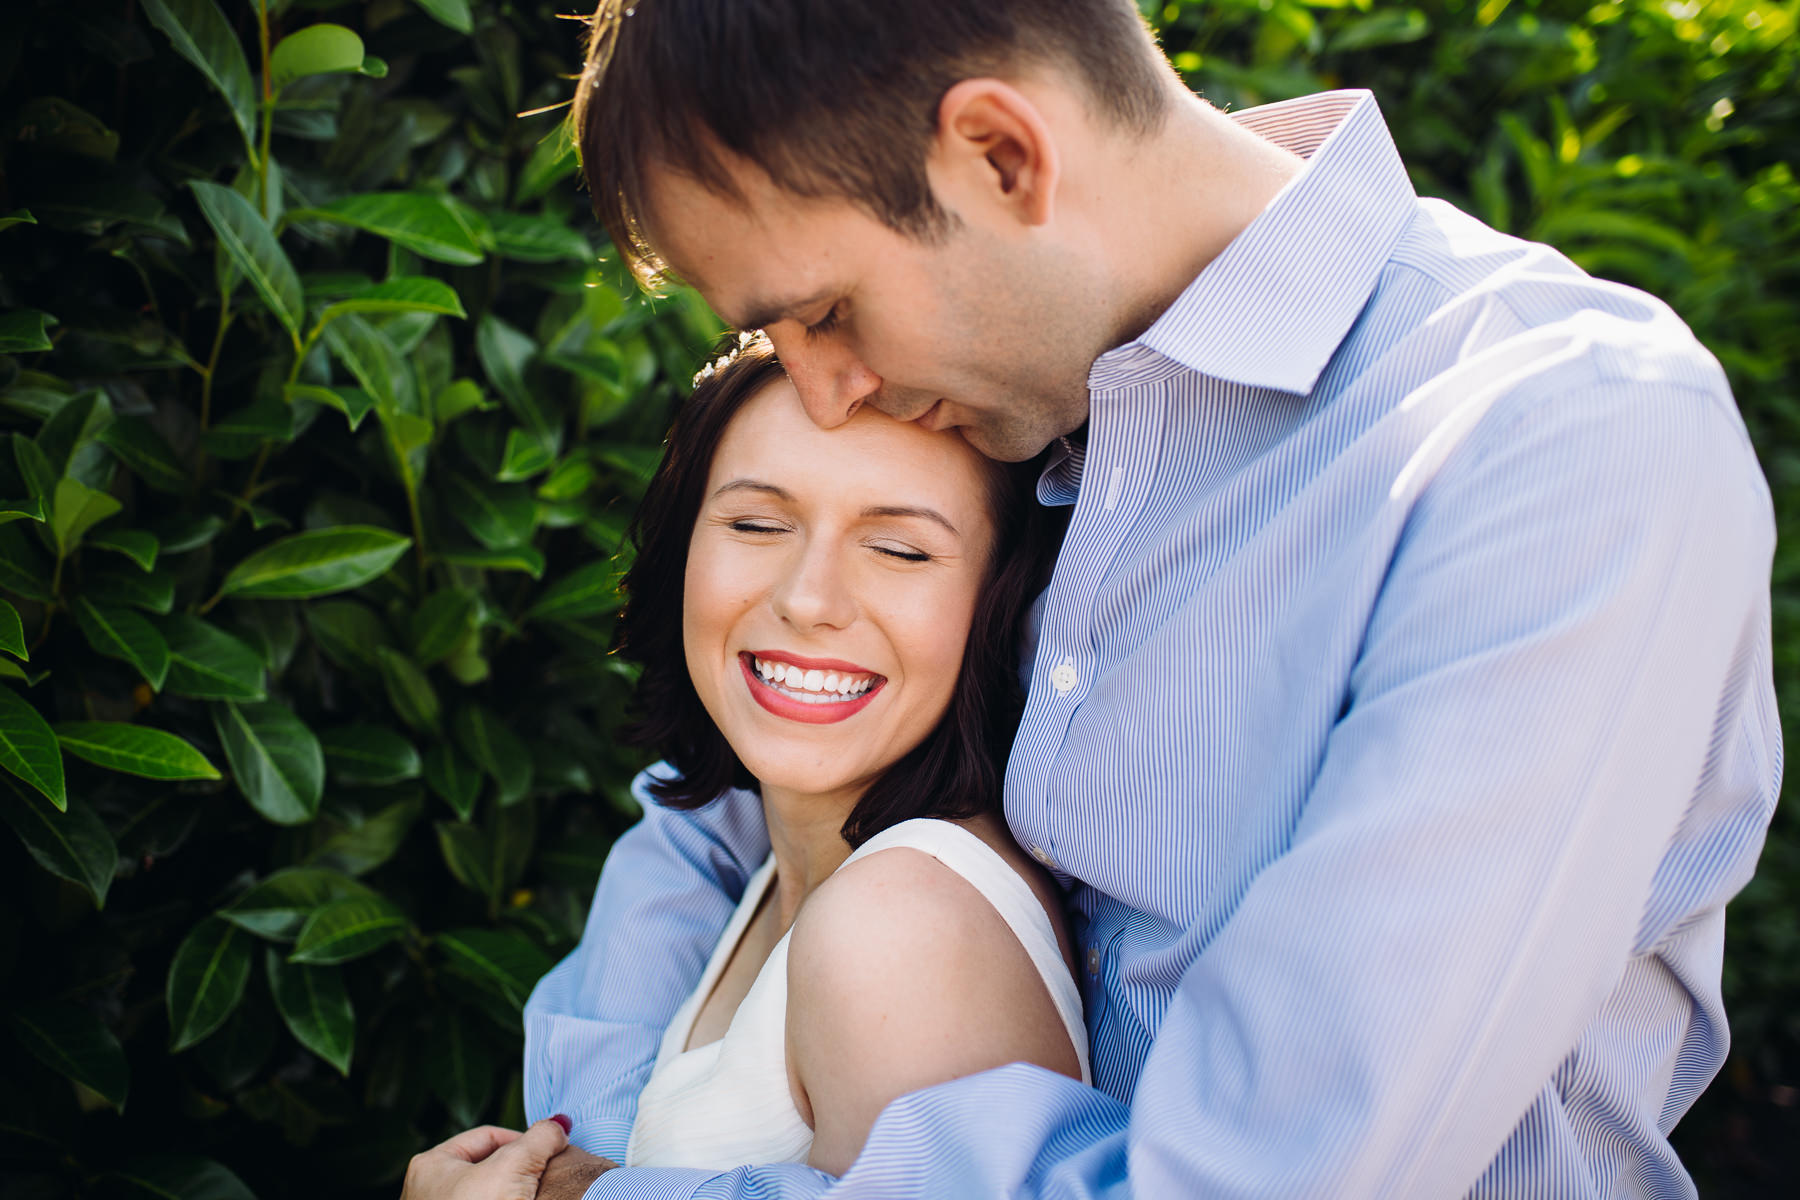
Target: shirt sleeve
[593,1024]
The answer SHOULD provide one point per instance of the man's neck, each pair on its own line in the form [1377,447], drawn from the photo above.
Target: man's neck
[1182,195]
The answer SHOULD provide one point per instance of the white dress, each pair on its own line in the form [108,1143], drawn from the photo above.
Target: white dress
[727,1104]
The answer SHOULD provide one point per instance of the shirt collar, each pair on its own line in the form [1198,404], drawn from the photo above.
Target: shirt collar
[1271,310]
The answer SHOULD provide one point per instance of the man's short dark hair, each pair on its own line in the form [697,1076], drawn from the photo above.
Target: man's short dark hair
[958,769]
[833,98]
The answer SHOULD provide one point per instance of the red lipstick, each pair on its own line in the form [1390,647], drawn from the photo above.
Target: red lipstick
[783,705]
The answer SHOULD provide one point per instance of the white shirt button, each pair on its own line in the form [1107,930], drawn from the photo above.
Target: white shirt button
[1063,677]
[1093,960]
[1042,855]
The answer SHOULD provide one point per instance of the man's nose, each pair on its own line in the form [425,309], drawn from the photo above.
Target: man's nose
[832,381]
[814,593]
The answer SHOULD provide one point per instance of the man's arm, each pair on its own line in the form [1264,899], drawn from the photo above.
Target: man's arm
[1551,663]
[1572,635]
[593,1024]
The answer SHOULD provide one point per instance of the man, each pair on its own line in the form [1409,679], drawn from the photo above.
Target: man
[1400,716]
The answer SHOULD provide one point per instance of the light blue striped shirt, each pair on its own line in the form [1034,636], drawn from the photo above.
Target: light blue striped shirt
[1400,721]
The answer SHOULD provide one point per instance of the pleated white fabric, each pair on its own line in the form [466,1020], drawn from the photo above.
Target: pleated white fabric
[728,1103]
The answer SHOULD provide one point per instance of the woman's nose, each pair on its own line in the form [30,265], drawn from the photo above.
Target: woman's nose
[814,592]
[831,380]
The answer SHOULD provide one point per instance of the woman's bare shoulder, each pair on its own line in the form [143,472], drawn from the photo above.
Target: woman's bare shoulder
[901,975]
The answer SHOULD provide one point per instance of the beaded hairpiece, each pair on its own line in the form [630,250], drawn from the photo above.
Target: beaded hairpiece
[745,340]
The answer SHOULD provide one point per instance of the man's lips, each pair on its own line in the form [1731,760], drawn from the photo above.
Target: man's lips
[784,702]
[934,419]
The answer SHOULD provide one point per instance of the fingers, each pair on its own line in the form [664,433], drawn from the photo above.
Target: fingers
[524,1157]
[473,1145]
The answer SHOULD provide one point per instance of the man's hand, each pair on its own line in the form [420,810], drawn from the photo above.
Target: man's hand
[486,1163]
[569,1174]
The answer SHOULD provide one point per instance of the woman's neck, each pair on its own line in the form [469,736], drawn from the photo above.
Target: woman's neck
[805,834]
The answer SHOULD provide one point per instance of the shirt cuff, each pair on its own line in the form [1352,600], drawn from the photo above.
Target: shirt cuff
[648,1183]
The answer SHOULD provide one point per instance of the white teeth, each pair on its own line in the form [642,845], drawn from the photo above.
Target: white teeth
[815,687]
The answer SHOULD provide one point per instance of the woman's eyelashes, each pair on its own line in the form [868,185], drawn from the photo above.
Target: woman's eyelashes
[764,527]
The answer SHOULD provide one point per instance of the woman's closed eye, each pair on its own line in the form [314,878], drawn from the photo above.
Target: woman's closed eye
[900,551]
[756,525]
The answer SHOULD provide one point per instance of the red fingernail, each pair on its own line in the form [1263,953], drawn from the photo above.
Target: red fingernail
[564,1122]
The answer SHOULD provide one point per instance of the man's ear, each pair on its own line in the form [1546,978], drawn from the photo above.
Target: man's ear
[994,147]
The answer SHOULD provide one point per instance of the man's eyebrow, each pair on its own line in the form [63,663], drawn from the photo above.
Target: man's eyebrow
[899,510]
[764,313]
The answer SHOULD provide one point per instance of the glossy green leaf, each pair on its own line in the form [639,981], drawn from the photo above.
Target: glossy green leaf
[183,1177]
[206,981]
[373,358]
[454,13]
[349,928]
[418,221]
[77,421]
[278,906]
[206,663]
[137,444]
[552,160]
[468,855]
[71,1040]
[442,623]
[570,481]
[451,775]
[406,293]
[499,515]
[182,532]
[152,591]
[75,509]
[319,49]
[274,757]
[201,34]
[139,545]
[505,353]
[21,510]
[532,238]
[35,468]
[22,332]
[590,590]
[134,750]
[126,635]
[525,456]
[28,747]
[503,558]
[456,398]
[72,844]
[369,755]
[373,840]
[350,634]
[495,748]
[316,1006]
[408,690]
[505,962]
[12,632]
[354,403]
[316,563]
[18,216]
[251,244]
[23,570]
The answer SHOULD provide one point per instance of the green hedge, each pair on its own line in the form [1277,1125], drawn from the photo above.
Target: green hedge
[322,422]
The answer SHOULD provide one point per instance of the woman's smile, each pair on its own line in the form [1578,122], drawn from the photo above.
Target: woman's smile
[813,695]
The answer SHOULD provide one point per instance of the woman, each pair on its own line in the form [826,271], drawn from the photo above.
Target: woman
[846,643]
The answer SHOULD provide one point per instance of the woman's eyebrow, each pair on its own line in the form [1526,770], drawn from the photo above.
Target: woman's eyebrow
[929,514]
[753,485]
